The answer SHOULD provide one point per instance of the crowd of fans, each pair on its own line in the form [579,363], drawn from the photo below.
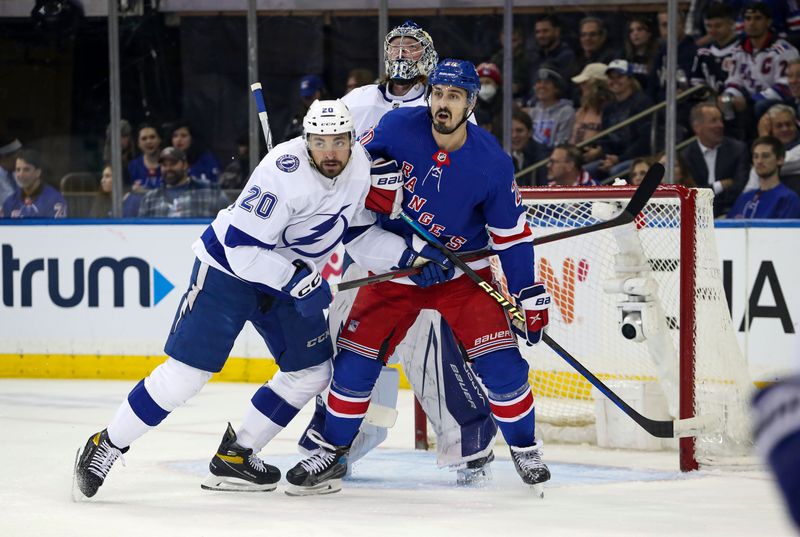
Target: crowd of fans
[738,131]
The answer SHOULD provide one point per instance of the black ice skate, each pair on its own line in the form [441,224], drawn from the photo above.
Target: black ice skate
[237,469]
[322,472]
[93,464]
[529,465]
[476,473]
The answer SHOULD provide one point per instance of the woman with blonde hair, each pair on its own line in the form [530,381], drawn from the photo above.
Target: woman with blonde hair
[589,117]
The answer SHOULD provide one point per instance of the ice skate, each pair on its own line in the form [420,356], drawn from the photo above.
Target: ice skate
[476,473]
[235,468]
[322,472]
[529,465]
[93,464]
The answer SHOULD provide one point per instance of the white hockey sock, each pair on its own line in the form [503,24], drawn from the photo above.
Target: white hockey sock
[126,426]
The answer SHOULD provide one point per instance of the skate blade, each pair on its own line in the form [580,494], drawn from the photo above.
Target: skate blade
[232,484]
[328,487]
[77,495]
[474,480]
[538,490]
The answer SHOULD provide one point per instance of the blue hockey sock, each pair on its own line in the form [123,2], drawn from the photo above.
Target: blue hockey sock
[354,377]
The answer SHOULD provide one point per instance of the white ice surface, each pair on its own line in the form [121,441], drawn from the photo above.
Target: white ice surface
[394,491]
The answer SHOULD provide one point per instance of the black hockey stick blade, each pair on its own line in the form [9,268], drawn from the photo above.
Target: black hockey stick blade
[637,202]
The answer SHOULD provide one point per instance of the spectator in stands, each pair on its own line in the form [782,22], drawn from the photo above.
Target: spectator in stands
[203,165]
[34,198]
[181,195]
[126,146]
[639,169]
[311,89]
[237,171]
[615,151]
[793,81]
[680,175]
[489,106]
[520,76]
[359,77]
[759,80]
[686,54]
[713,64]
[8,162]
[716,161]
[594,45]
[144,171]
[780,121]
[772,199]
[565,167]
[102,202]
[641,48]
[552,51]
[525,151]
[595,95]
[553,117]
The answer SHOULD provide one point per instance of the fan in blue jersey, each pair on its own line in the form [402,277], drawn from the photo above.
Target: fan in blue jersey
[258,261]
[33,198]
[459,185]
[773,199]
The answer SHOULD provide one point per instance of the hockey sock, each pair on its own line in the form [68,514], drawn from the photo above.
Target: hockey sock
[169,386]
[266,415]
[354,377]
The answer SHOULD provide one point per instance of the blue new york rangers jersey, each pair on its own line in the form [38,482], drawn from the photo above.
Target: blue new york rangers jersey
[467,198]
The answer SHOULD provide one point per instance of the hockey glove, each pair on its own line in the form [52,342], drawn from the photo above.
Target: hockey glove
[386,192]
[436,268]
[310,290]
[533,301]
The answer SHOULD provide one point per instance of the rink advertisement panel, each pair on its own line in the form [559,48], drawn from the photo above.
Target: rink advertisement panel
[98,300]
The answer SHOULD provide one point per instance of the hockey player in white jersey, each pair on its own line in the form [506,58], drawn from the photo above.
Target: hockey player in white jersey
[759,65]
[432,361]
[258,261]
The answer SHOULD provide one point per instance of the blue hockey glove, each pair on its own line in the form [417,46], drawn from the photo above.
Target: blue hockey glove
[311,291]
[436,268]
[534,302]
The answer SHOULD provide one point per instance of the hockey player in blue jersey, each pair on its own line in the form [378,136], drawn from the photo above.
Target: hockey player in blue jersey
[459,185]
[258,261]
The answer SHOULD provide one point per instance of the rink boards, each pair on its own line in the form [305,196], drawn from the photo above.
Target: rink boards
[83,300]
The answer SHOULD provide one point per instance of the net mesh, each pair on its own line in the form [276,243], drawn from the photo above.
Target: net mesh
[586,277]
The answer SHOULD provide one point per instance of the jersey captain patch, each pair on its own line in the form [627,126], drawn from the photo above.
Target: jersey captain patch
[288,163]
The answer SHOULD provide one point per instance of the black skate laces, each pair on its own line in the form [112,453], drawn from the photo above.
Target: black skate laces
[103,458]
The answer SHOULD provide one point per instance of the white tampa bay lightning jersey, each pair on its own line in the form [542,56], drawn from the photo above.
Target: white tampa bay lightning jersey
[289,211]
[369,103]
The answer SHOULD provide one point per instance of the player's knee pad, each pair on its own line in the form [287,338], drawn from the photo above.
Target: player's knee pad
[354,372]
[503,371]
[298,387]
[173,383]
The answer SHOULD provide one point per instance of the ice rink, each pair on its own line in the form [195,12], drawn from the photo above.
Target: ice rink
[394,491]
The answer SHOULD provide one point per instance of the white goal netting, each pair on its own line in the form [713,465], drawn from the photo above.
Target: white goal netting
[661,275]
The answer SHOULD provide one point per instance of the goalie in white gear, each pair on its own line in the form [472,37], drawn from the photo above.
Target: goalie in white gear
[448,391]
[258,261]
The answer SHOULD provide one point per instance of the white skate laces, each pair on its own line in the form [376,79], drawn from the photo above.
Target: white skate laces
[321,458]
[104,458]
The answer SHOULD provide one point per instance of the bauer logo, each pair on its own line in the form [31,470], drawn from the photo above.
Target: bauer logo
[288,163]
[99,282]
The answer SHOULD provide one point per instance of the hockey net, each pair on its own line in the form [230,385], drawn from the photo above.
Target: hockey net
[662,269]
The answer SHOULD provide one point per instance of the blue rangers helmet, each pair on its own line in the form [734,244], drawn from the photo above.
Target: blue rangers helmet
[400,67]
[457,73]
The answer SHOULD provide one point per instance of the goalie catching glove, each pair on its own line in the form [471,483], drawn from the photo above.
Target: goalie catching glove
[310,290]
[533,302]
[436,268]
[386,191]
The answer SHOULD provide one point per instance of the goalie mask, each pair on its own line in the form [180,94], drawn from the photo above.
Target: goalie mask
[403,64]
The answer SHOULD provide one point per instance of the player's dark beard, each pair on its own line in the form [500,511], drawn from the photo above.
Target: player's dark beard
[322,168]
[440,128]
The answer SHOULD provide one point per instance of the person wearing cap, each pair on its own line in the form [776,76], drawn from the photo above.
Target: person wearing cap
[759,80]
[311,89]
[8,162]
[181,195]
[595,95]
[552,116]
[552,51]
[616,150]
[488,108]
[34,198]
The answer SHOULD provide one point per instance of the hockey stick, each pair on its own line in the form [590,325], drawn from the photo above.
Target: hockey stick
[637,202]
[262,113]
[657,428]
[386,276]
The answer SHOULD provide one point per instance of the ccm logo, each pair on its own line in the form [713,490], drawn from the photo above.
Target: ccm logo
[310,287]
[317,340]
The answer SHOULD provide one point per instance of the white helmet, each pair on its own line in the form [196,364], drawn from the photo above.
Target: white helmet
[328,117]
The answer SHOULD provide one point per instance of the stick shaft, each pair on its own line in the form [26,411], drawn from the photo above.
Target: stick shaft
[261,106]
